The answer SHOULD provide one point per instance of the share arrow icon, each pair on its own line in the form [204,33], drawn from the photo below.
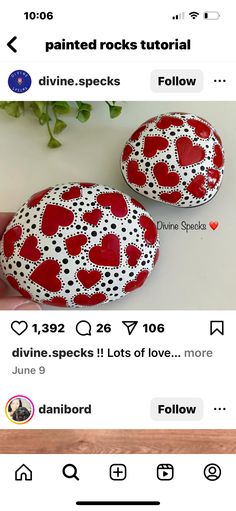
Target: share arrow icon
[130,325]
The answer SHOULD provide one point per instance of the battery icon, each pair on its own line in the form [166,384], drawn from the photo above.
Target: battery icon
[211,15]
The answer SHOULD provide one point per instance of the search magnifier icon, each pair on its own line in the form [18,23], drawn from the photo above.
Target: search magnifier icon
[69,471]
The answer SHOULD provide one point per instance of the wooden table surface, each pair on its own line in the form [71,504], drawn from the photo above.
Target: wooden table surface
[118,442]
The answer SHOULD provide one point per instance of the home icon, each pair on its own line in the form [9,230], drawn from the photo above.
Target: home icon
[23,473]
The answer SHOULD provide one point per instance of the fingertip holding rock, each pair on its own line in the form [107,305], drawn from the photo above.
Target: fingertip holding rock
[15,303]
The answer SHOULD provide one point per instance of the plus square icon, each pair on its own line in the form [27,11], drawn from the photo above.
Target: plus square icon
[118,472]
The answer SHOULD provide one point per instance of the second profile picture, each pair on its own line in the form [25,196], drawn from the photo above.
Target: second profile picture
[19,409]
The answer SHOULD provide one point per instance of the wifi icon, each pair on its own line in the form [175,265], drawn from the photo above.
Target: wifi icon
[194,14]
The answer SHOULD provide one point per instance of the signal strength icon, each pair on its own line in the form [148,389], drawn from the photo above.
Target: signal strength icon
[194,14]
[179,16]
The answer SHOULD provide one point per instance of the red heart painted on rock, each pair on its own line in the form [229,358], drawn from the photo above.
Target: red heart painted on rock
[55,217]
[172,197]
[156,257]
[166,121]
[201,129]
[108,253]
[138,282]
[10,239]
[163,176]
[58,301]
[213,225]
[218,137]
[89,278]
[154,144]
[137,204]
[74,244]
[188,153]
[45,275]
[89,300]
[93,217]
[29,249]
[213,177]
[218,159]
[197,187]
[133,253]
[127,152]
[73,193]
[37,197]
[115,201]
[134,174]
[138,132]
[13,282]
[150,229]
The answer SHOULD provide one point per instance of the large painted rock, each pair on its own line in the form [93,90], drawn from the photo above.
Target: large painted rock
[79,244]
[175,158]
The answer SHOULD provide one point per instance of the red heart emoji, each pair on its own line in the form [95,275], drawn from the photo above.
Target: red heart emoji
[55,217]
[13,282]
[137,204]
[138,282]
[213,225]
[154,144]
[201,129]
[45,275]
[37,197]
[218,159]
[115,201]
[127,152]
[10,239]
[138,132]
[93,217]
[73,193]
[74,244]
[108,253]
[89,300]
[163,176]
[134,174]
[213,177]
[58,301]
[172,197]
[29,249]
[166,121]
[150,229]
[188,153]
[133,253]
[89,278]
[197,187]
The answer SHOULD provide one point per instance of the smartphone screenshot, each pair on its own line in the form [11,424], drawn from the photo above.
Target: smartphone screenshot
[117,255]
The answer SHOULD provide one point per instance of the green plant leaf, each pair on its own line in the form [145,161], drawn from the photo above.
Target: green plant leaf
[115,111]
[60,107]
[54,143]
[59,126]
[14,108]
[84,111]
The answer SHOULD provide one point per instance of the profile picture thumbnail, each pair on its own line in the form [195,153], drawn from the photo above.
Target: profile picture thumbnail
[19,409]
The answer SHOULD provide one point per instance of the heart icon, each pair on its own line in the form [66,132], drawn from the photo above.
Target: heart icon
[93,217]
[115,201]
[127,152]
[29,249]
[73,193]
[218,159]
[138,282]
[197,187]
[154,144]
[10,239]
[213,225]
[134,174]
[19,327]
[172,197]
[74,244]
[163,176]
[166,121]
[108,254]
[201,129]
[188,153]
[37,197]
[55,217]
[45,275]
[133,253]
[90,300]
[150,229]
[13,282]
[89,278]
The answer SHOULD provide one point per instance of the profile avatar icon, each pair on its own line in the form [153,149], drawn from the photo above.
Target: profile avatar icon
[19,409]
[19,81]
[212,472]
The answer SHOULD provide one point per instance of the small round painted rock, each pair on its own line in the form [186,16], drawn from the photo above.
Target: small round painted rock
[175,158]
[79,244]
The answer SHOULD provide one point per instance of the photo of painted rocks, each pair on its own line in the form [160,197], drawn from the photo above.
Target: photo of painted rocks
[117,205]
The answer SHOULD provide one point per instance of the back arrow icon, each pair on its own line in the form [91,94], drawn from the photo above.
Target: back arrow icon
[9,44]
